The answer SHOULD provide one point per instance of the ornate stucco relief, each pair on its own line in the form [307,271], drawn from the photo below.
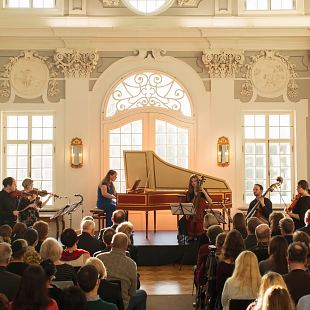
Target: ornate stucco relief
[75,63]
[29,76]
[270,75]
[222,63]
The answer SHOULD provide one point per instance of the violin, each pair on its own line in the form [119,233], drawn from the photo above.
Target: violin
[34,191]
[293,204]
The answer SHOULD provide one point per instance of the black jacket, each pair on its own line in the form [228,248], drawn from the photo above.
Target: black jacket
[9,283]
[89,243]
[7,206]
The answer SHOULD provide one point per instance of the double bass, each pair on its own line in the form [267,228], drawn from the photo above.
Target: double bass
[194,225]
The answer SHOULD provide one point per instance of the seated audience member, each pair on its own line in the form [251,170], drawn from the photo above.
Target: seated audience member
[277,260]
[17,264]
[107,291]
[203,252]
[6,233]
[306,228]
[239,224]
[287,228]
[262,233]
[208,221]
[251,241]
[245,280]
[4,302]
[18,231]
[51,249]
[9,282]
[297,279]
[127,229]
[32,293]
[31,255]
[121,267]
[277,298]
[72,255]
[303,237]
[89,283]
[303,303]
[42,229]
[219,242]
[87,241]
[274,219]
[232,247]
[268,280]
[118,217]
[74,299]
[53,291]
[107,239]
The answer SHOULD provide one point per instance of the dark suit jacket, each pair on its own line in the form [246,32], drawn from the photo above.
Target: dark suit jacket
[298,283]
[305,229]
[111,292]
[250,241]
[89,243]
[261,251]
[9,283]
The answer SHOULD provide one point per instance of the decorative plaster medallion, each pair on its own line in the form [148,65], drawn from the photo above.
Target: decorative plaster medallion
[76,64]
[188,3]
[29,76]
[222,63]
[271,75]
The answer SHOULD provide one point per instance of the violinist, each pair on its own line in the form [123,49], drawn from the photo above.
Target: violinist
[8,204]
[265,205]
[302,205]
[29,204]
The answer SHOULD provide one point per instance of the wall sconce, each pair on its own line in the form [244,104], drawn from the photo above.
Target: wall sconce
[76,148]
[223,152]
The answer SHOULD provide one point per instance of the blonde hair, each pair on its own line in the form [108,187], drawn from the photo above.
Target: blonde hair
[51,249]
[126,228]
[98,264]
[246,272]
[209,220]
[27,182]
[268,280]
[277,298]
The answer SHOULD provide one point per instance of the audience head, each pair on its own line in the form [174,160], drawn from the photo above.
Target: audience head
[9,184]
[74,298]
[108,235]
[253,222]
[6,233]
[287,226]
[126,228]
[239,223]
[118,216]
[120,241]
[297,255]
[98,264]
[209,220]
[87,278]
[277,298]
[302,237]
[5,253]
[220,239]
[18,230]
[274,219]
[31,236]
[302,187]
[32,291]
[49,269]
[88,226]
[4,302]
[232,246]
[262,233]
[307,218]
[278,253]
[69,237]
[51,249]
[19,248]
[42,229]
[213,232]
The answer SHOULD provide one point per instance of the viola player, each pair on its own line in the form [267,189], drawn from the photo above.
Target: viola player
[302,205]
[8,204]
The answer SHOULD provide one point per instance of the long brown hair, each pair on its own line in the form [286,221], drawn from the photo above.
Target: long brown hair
[239,224]
[278,254]
[274,219]
[191,189]
[106,180]
[232,246]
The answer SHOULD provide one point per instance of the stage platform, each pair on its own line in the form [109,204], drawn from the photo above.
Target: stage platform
[162,248]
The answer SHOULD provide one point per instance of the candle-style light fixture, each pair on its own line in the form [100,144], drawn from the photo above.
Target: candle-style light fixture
[223,153]
[76,148]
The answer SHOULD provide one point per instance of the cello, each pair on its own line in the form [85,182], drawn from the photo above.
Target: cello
[194,225]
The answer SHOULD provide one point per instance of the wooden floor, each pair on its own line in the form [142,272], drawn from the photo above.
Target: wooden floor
[166,280]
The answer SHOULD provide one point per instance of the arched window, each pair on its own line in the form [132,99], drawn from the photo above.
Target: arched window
[147,111]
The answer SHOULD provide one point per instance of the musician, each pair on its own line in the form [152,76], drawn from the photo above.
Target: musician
[8,205]
[302,205]
[107,195]
[264,206]
[29,205]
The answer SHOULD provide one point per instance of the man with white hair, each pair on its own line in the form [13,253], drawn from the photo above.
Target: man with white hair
[87,241]
[9,282]
[123,268]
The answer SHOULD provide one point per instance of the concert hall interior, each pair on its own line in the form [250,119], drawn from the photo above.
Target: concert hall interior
[171,110]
